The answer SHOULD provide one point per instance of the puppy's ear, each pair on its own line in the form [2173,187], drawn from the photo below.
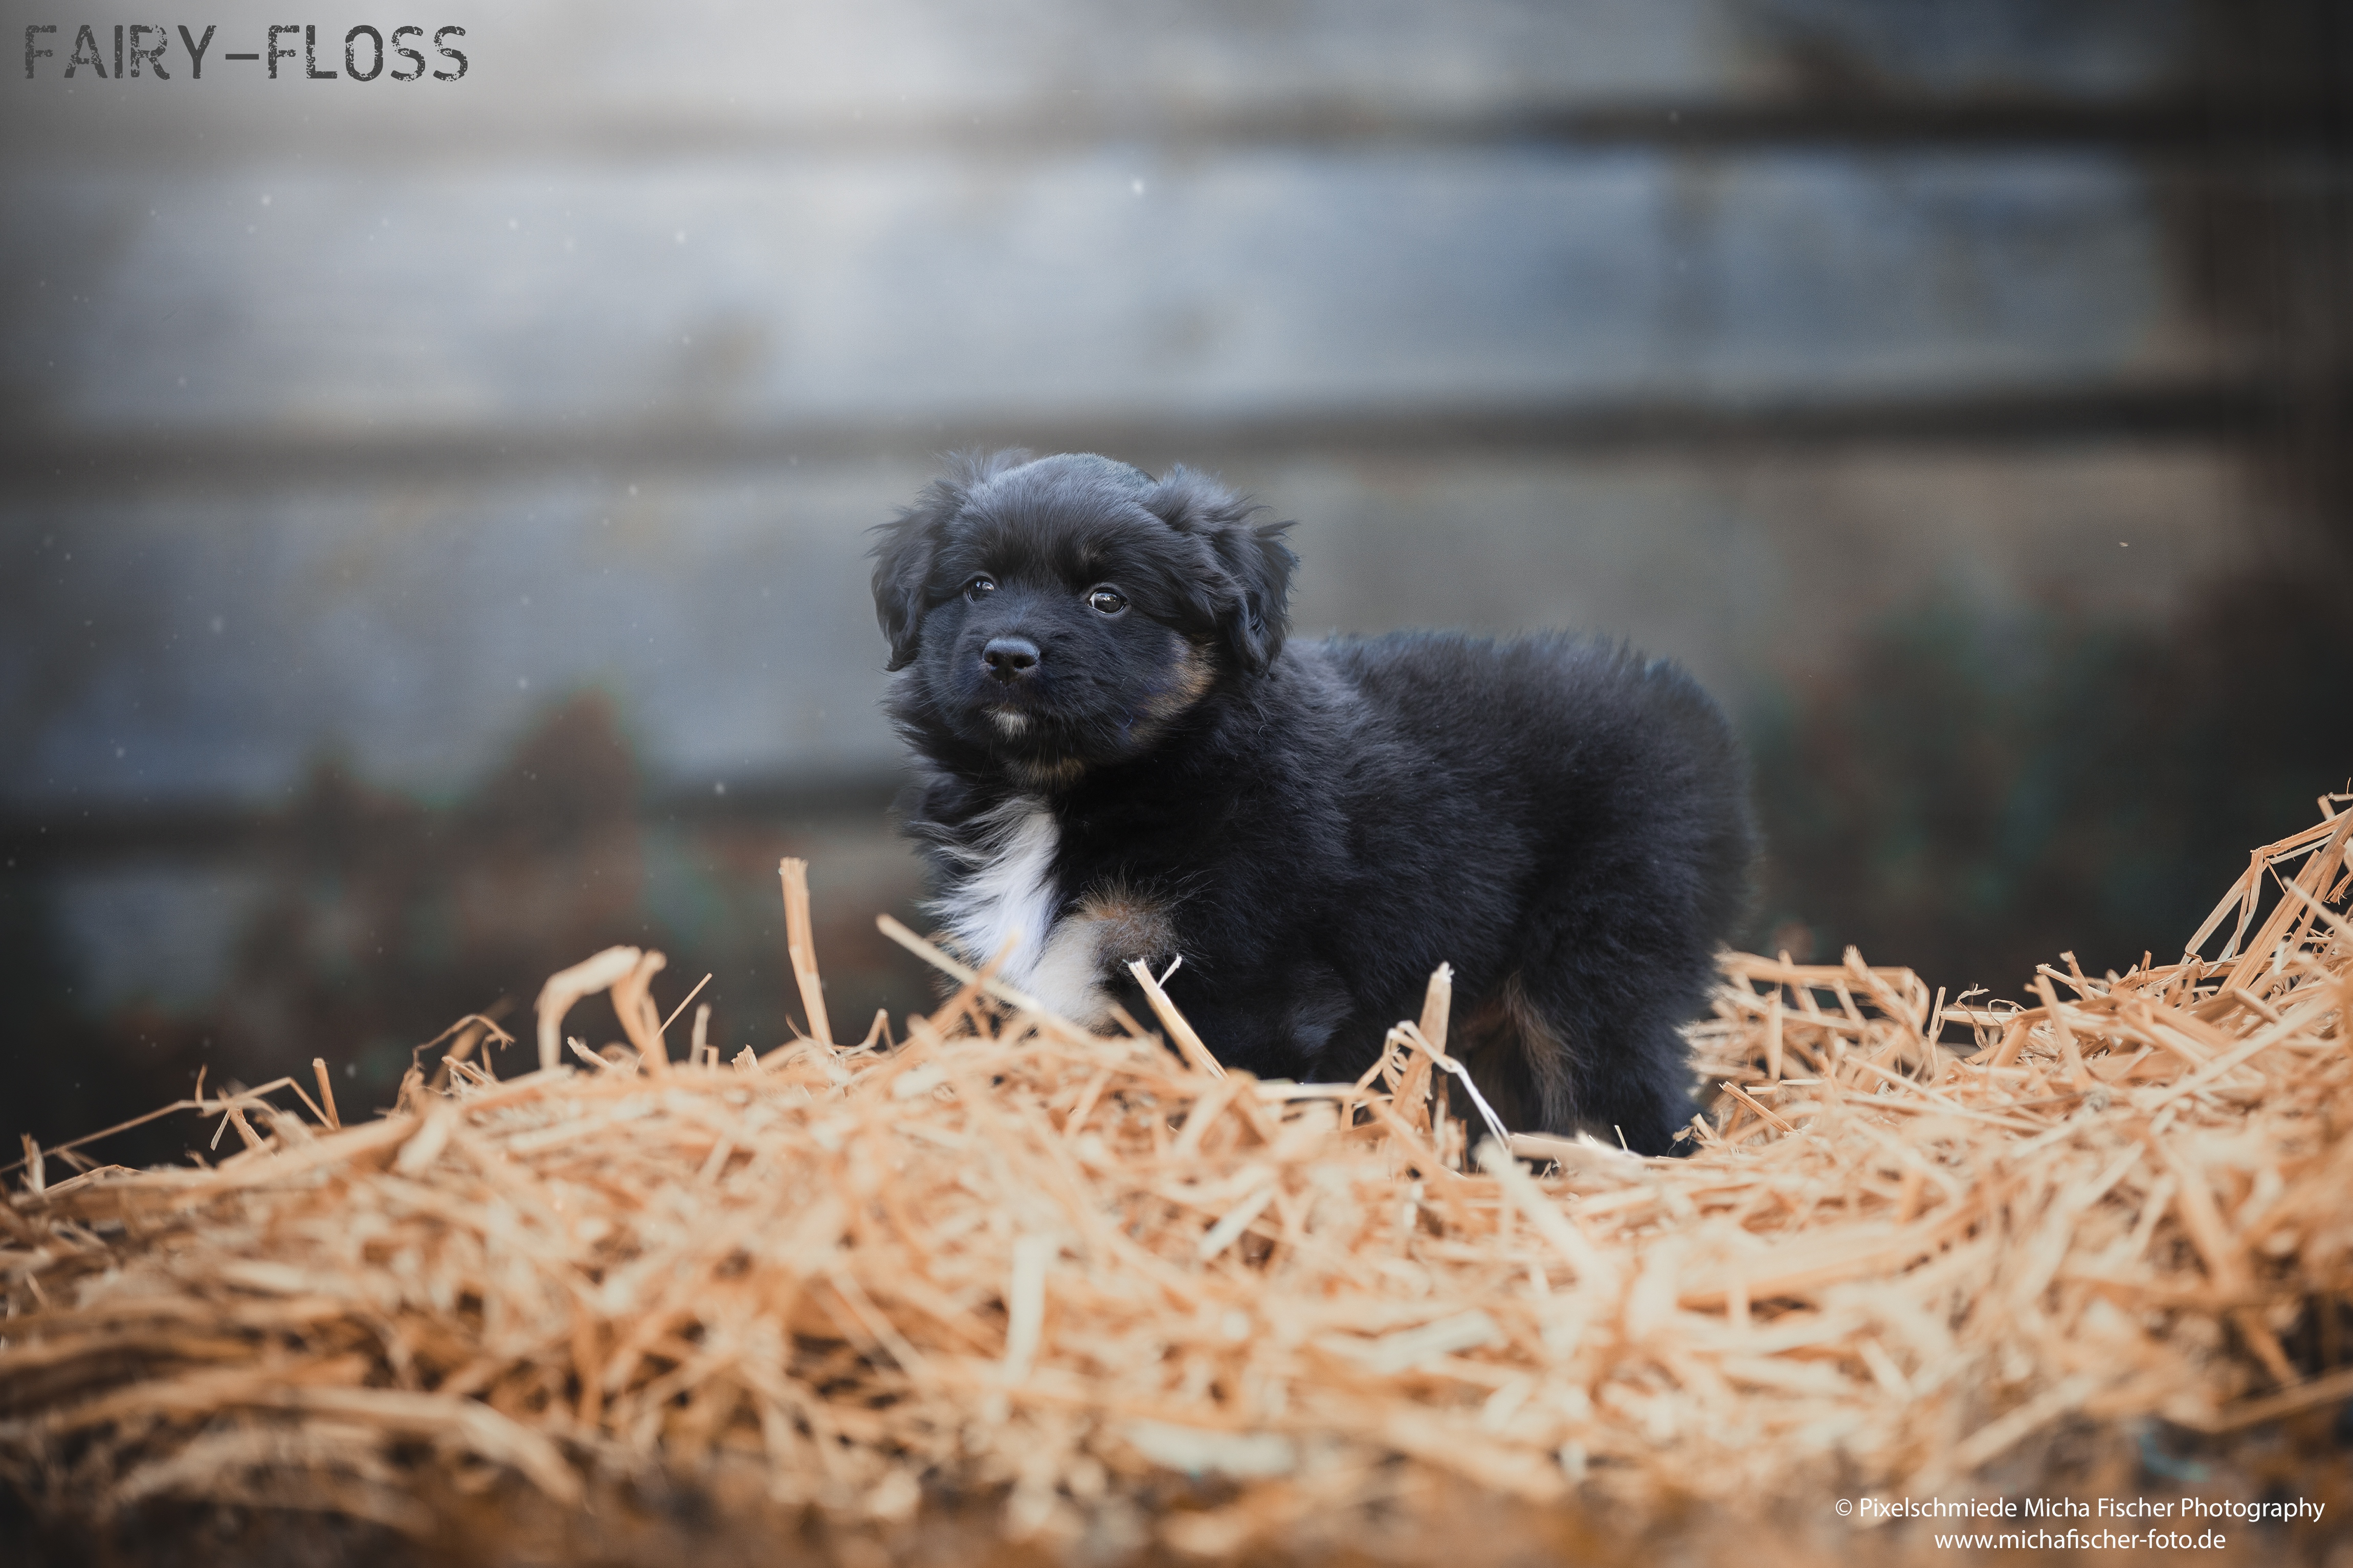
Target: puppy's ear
[904,552]
[1249,590]
[905,548]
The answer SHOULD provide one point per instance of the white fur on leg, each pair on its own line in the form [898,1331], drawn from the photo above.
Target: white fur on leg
[1069,970]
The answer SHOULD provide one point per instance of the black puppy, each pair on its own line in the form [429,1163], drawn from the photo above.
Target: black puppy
[1118,757]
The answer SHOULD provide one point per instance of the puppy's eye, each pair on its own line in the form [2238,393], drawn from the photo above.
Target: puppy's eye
[980,588]
[1107,599]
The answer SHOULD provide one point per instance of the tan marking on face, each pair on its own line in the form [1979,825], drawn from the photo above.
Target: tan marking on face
[1189,680]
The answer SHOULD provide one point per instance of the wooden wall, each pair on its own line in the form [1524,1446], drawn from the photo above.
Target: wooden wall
[368,424]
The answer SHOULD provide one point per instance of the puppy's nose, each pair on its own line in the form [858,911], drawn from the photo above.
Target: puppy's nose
[1009,659]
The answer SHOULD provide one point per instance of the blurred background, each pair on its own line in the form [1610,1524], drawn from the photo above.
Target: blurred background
[431,545]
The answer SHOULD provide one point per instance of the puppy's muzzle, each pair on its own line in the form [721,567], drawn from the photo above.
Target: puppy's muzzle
[1010,658]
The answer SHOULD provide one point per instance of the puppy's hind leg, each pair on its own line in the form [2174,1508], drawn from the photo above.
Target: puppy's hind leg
[1521,1065]
[1615,1067]
[1642,1090]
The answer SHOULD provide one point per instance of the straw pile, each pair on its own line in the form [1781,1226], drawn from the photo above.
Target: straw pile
[1007,1264]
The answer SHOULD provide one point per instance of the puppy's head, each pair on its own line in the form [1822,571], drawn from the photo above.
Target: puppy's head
[1062,612]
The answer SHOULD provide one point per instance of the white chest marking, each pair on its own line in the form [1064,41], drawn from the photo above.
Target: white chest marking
[1008,896]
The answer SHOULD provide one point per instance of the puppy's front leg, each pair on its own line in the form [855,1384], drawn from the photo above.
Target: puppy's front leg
[1278,1024]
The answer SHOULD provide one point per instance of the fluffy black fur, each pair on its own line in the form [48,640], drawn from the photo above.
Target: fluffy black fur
[1154,772]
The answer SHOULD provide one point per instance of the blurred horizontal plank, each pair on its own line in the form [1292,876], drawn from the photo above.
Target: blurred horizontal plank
[179,925]
[2025,415]
[1020,75]
[1114,289]
[2176,128]
[173,655]
[196,831]
[212,651]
